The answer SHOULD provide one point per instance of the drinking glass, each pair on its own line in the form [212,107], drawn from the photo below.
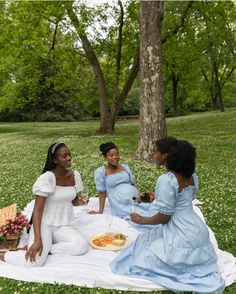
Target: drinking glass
[109,220]
[84,196]
[133,206]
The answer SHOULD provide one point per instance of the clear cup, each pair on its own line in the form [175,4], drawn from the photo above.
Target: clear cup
[133,207]
[84,197]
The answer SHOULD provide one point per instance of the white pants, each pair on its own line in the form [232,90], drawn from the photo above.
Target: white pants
[56,240]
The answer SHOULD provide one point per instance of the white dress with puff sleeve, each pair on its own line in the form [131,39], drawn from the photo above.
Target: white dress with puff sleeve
[58,236]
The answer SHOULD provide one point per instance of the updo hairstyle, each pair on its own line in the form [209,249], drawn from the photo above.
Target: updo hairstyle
[106,147]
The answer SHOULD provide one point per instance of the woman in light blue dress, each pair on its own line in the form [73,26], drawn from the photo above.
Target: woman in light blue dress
[116,182]
[177,254]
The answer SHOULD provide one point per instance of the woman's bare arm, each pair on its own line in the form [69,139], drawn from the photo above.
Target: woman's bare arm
[102,199]
[156,219]
[37,246]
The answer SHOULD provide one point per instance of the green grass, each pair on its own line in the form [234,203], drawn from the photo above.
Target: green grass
[23,153]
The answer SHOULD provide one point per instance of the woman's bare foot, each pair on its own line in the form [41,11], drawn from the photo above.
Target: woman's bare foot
[2,254]
[16,249]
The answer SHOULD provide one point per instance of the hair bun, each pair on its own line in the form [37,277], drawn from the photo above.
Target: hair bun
[106,147]
[101,147]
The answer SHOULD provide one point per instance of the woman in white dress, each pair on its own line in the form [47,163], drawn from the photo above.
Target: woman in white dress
[51,232]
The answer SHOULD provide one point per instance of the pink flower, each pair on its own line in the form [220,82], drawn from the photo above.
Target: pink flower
[14,226]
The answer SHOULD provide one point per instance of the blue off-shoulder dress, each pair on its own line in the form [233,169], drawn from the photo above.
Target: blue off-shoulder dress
[177,255]
[120,191]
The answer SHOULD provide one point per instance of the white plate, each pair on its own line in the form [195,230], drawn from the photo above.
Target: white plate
[109,247]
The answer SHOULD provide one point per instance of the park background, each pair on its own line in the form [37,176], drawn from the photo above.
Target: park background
[49,92]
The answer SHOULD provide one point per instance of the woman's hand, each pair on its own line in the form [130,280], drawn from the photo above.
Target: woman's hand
[152,196]
[95,212]
[136,218]
[34,251]
[80,201]
[83,201]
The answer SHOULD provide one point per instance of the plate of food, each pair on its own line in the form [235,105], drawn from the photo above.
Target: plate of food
[109,241]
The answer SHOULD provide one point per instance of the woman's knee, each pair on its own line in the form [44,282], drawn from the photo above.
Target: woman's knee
[81,246]
[77,246]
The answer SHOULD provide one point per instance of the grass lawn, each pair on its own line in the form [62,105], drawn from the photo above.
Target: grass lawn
[24,147]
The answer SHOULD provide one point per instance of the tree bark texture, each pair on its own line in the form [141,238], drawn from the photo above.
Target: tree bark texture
[152,109]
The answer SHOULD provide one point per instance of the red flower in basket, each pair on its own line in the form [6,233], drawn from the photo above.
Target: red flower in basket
[13,227]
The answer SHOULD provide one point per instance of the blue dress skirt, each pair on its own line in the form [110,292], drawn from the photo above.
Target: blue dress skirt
[120,191]
[177,255]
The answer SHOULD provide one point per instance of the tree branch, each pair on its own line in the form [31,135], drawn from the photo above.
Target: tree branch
[90,54]
[119,101]
[228,75]
[54,37]
[181,23]
[118,57]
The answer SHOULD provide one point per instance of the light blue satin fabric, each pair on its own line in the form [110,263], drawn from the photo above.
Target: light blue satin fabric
[177,255]
[120,191]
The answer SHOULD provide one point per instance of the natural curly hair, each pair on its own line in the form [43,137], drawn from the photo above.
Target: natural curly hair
[181,158]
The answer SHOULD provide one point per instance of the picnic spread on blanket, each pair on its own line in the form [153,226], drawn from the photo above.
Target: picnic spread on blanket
[92,269]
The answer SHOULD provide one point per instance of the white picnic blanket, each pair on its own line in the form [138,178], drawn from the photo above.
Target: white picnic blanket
[92,269]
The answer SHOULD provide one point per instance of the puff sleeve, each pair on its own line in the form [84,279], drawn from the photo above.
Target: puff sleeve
[99,178]
[127,169]
[166,192]
[78,182]
[45,184]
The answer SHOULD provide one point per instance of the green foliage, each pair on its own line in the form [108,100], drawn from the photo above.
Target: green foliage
[44,78]
[24,147]
[106,41]
[45,72]
[207,35]
[229,92]
[40,80]
[131,105]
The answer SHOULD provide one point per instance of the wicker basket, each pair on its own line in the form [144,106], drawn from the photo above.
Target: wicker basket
[11,242]
[7,212]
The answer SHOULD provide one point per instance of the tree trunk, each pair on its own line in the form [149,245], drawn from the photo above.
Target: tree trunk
[218,87]
[106,125]
[214,97]
[210,86]
[152,110]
